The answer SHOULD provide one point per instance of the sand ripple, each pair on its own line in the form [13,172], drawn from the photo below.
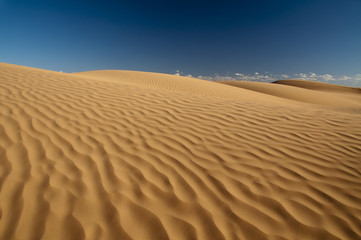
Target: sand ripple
[148,158]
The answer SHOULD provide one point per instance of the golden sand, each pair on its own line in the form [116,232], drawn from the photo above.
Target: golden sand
[134,155]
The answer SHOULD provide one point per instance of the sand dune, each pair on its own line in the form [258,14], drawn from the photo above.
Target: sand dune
[306,92]
[132,155]
[318,86]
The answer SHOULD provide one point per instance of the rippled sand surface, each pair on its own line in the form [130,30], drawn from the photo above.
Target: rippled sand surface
[134,155]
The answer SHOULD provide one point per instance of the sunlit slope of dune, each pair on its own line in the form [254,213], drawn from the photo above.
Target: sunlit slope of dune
[130,157]
[305,91]
[318,86]
[178,84]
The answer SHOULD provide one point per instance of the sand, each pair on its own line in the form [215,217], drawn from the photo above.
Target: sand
[135,155]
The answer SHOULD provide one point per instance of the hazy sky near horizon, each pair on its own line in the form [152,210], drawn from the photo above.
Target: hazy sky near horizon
[200,38]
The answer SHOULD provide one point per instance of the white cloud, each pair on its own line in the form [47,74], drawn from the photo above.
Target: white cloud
[315,77]
[327,77]
[351,80]
[254,77]
[345,78]
[357,77]
[301,75]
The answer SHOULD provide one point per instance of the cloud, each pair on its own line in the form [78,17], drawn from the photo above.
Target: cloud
[350,80]
[327,77]
[356,77]
[255,77]
[315,77]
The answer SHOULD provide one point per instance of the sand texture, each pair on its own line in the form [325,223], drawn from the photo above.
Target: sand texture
[134,155]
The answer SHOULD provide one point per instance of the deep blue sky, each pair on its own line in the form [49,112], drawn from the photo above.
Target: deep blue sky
[196,37]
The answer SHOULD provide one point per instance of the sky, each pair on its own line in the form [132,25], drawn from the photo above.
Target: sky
[259,40]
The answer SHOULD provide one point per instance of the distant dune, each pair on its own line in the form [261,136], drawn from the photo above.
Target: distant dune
[306,92]
[136,155]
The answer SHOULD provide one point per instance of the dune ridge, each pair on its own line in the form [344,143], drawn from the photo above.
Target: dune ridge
[130,155]
[318,86]
[306,92]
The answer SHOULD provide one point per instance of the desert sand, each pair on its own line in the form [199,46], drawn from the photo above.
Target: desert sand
[136,155]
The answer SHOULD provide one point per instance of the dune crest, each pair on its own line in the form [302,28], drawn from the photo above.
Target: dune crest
[318,86]
[180,84]
[130,155]
[306,92]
